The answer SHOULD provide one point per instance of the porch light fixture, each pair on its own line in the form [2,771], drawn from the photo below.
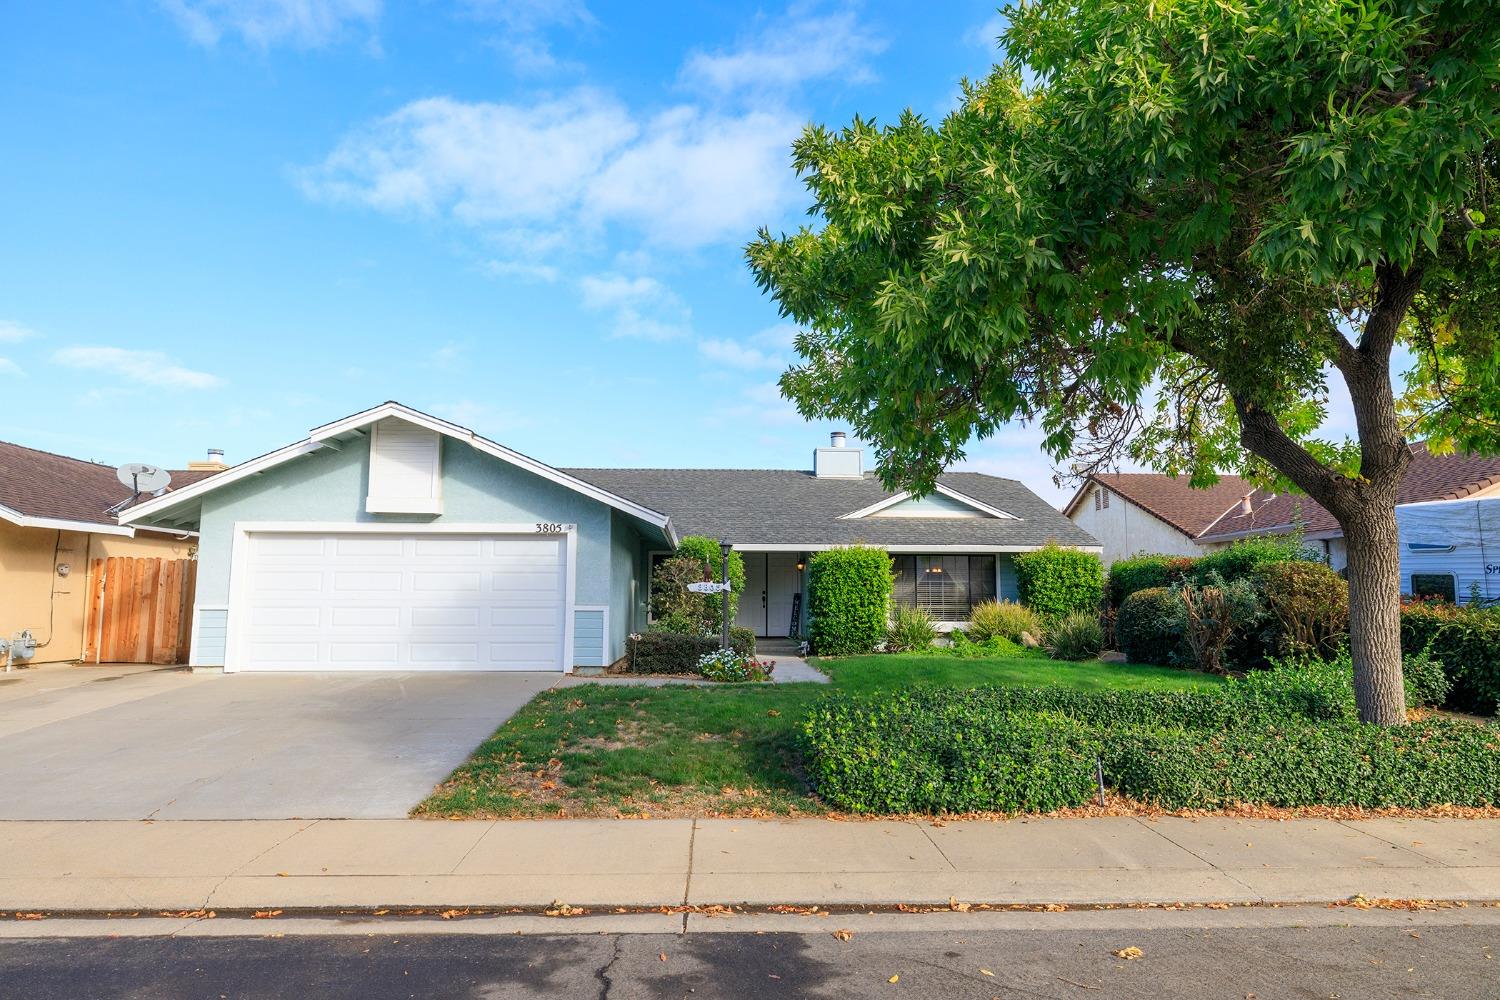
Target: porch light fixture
[801,563]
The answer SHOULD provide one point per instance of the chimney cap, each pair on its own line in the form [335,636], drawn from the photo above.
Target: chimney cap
[837,439]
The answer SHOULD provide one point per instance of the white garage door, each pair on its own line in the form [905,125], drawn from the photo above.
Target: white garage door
[376,601]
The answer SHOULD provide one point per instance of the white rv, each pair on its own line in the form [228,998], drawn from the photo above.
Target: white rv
[1449,546]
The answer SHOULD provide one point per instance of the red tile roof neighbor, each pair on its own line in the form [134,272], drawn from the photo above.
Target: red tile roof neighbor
[41,484]
[1214,513]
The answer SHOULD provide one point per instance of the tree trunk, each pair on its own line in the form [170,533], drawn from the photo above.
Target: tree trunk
[1375,614]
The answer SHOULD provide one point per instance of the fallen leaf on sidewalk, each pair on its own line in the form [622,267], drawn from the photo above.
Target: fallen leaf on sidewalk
[265,914]
[985,972]
[842,934]
[662,956]
[30,916]
[956,906]
[894,979]
[283,874]
[1129,954]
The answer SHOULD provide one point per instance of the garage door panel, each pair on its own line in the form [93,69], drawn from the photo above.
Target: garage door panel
[401,602]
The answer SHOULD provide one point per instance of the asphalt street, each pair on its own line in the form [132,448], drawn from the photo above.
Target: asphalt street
[1450,961]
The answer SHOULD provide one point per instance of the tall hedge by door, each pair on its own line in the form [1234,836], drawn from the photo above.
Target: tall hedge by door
[849,599]
[1055,581]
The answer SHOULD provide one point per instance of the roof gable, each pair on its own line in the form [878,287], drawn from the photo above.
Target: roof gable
[1171,499]
[943,501]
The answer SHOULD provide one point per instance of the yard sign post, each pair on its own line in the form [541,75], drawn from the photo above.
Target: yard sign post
[724,548]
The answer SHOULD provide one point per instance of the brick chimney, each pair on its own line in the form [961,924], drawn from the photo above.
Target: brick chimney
[214,463]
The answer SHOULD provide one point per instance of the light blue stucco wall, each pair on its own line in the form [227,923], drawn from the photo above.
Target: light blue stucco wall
[331,485]
[625,582]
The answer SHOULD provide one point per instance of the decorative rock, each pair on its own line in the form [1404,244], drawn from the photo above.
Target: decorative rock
[1030,641]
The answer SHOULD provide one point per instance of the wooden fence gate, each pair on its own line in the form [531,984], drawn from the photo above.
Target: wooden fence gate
[140,610]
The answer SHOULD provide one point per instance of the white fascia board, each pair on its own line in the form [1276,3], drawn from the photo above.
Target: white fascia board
[1275,529]
[244,471]
[946,491]
[62,524]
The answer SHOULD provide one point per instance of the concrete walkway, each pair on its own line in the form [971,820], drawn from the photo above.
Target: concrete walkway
[233,865]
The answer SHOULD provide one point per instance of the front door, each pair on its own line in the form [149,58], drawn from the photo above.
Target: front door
[783,583]
[752,610]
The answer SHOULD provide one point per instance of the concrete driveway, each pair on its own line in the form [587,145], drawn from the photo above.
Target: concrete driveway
[94,743]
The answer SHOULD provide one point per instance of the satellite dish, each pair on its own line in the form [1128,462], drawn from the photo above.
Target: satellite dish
[143,478]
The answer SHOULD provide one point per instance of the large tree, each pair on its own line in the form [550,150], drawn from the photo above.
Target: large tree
[1159,229]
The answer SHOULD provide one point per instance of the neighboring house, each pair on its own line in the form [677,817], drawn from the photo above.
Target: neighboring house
[394,540]
[55,519]
[1131,513]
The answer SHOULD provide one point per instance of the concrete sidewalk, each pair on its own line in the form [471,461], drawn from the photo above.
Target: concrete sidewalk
[233,865]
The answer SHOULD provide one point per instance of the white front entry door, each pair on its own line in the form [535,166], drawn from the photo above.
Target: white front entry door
[398,601]
[752,607]
[783,582]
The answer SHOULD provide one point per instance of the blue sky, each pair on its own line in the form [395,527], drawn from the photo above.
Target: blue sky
[227,221]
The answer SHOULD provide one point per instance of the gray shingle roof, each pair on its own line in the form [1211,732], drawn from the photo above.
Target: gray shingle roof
[44,484]
[790,507]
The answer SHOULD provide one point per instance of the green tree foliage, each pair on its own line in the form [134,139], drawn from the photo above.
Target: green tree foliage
[849,599]
[1159,230]
[674,606]
[1055,581]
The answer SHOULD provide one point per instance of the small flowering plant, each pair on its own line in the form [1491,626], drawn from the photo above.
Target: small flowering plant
[730,667]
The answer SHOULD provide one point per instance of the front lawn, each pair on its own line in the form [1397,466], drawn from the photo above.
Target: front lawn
[613,749]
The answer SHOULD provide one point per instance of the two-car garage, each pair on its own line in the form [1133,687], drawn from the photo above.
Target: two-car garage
[397,599]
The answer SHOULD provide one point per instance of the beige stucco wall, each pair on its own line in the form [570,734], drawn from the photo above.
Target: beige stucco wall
[1126,530]
[33,596]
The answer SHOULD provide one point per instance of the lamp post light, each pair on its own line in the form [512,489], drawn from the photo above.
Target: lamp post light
[724,548]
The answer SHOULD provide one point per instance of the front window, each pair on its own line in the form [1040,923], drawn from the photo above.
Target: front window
[945,587]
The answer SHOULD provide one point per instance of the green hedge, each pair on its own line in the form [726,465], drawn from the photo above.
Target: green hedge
[1240,560]
[1126,576]
[1286,736]
[1468,644]
[1150,625]
[676,653]
[706,550]
[849,599]
[1436,762]
[1054,581]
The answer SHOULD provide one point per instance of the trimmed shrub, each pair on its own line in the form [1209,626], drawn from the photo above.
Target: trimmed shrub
[1005,619]
[660,652]
[670,597]
[1467,642]
[903,755]
[1308,605]
[1055,581]
[961,646]
[1435,762]
[1126,576]
[1150,625]
[849,597]
[1075,636]
[1239,560]
[911,629]
[1426,680]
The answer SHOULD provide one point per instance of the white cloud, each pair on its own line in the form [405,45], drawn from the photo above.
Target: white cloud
[12,332]
[304,24]
[787,52]
[733,354]
[525,270]
[569,165]
[9,367]
[641,308]
[987,35]
[146,367]
[525,22]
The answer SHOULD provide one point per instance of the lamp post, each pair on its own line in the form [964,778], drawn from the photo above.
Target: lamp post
[724,548]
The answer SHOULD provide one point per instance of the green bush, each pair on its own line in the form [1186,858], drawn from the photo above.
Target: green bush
[961,646]
[1055,581]
[661,652]
[1239,560]
[1214,614]
[1077,635]
[1426,680]
[849,598]
[1436,762]
[669,596]
[1150,626]
[904,755]
[1005,619]
[1126,576]
[911,630]
[1307,604]
[1467,641]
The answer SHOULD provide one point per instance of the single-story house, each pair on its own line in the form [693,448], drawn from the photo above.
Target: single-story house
[57,515]
[395,540]
[1135,512]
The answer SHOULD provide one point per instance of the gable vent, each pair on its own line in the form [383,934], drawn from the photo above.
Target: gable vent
[405,469]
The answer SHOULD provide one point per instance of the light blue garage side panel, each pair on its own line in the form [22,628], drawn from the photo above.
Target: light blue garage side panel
[588,638]
[213,633]
[331,485]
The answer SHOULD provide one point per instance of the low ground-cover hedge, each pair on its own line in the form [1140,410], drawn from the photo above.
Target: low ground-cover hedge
[1286,736]
[676,653]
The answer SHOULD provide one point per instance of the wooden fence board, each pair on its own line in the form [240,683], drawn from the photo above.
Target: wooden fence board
[140,610]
